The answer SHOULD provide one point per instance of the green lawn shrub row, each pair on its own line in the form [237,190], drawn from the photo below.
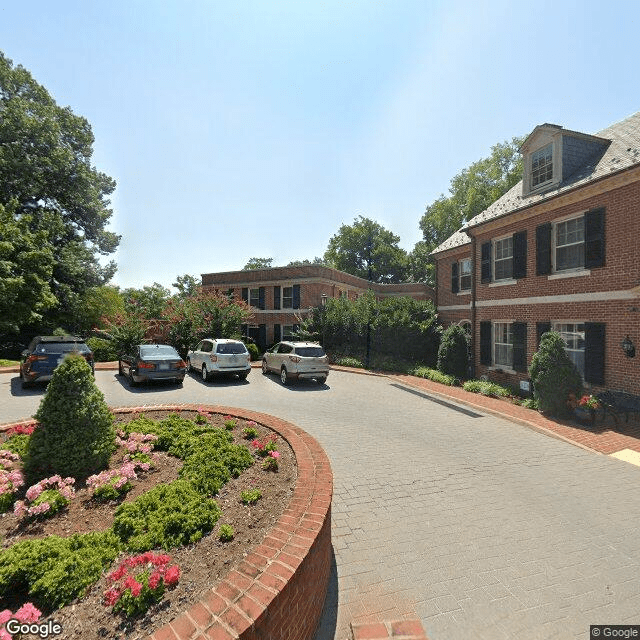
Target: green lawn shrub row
[486,388]
[435,376]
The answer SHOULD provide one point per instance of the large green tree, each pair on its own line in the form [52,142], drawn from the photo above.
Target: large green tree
[148,302]
[367,250]
[46,171]
[470,193]
[187,285]
[258,263]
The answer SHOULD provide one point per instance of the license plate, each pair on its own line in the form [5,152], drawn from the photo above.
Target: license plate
[163,367]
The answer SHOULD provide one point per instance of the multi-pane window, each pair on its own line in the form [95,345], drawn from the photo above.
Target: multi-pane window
[503,258]
[573,334]
[569,244]
[287,297]
[287,332]
[465,274]
[541,166]
[502,344]
[254,297]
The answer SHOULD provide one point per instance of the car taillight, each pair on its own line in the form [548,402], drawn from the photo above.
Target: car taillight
[34,358]
[248,357]
[145,365]
[180,364]
[294,358]
[213,358]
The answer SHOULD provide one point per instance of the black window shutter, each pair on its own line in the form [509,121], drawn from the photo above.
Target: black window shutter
[541,327]
[454,277]
[543,249]
[276,298]
[485,262]
[261,298]
[520,254]
[485,342]
[276,333]
[296,296]
[262,336]
[519,330]
[594,352]
[244,330]
[245,295]
[594,245]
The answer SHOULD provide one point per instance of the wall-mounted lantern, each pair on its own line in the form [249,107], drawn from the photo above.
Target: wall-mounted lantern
[628,347]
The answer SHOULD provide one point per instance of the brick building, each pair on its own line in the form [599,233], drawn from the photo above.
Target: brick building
[282,296]
[559,250]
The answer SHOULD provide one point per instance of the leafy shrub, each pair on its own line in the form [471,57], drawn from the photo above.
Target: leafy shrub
[434,375]
[103,350]
[554,375]
[250,432]
[453,353]
[250,497]
[226,533]
[348,361]
[486,388]
[167,516]
[530,403]
[76,436]
[17,444]
[254,352]
[54,570]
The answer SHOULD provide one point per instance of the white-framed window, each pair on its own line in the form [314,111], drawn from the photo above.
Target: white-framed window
[502,344]
[464,271]
[287,297]
[572,333]
[568,239]
[542,166]
[254,297]
[503,258]
[287,332]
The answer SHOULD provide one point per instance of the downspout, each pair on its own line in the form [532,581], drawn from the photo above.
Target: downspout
[473,303]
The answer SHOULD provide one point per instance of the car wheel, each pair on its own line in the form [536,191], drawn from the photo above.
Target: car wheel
[179,381]
[120,371]
[132,382]
[243,376]
[265,369]
[26,384]
[205,373]
[321,379]
[284,378]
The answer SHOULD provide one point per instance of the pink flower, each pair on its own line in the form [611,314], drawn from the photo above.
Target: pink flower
[274,454]
[4,635]
[136,588]
[28,613]
[154,579]
[111,596]
[5,615]
[172,575]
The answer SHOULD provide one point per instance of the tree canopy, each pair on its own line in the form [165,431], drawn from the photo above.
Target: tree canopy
[187,285]
[258,263]
[470,193]
[55,192]
[367,250]
[149,302]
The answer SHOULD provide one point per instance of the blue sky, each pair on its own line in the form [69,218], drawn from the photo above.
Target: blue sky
[256,128]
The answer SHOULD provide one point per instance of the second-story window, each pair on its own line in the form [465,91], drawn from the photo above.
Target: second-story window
[541,166]
[569,244]
[287,297]
[503,259]
[465,274]
[254,297]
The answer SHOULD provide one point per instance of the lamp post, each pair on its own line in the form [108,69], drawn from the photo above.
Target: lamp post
[323,304]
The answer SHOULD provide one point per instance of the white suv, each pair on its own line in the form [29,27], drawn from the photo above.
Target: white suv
[294,360]
[219,356]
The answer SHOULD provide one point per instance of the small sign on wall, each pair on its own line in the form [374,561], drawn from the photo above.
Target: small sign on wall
[525,386]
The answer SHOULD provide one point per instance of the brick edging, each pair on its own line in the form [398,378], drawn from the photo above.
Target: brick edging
[278,589]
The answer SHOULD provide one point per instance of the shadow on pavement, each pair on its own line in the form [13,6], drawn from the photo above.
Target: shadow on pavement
[219,381]
[328,621]
[37,389]
[147,387]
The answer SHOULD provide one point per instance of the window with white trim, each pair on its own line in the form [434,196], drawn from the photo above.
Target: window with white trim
[254,297]
[568,239]
[503,259]
[541,166]
[287,332]
[287,297]
[573,335]
[464,271]
[502,344]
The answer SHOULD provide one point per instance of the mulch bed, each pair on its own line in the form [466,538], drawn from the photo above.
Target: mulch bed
[202,565]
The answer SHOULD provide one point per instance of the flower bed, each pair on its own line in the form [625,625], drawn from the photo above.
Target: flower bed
[304,517]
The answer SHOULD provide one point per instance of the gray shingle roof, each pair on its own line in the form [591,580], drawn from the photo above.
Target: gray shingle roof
[622,153]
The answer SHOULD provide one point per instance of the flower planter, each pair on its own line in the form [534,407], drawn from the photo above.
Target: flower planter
[585,416]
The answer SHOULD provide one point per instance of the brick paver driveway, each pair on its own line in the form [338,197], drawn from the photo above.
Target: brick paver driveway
[483,528]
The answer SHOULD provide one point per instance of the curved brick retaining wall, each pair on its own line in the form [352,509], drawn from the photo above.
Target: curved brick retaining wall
[278,590]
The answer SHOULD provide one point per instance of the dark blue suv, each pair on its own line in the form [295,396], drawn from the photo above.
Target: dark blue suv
[45,353]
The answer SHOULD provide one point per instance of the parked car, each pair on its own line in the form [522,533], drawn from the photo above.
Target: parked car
[152,362]
[45,353]
[295,360]
[220,356]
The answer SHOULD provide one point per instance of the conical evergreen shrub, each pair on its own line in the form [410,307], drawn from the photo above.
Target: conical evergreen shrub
[554,375]
[76,436]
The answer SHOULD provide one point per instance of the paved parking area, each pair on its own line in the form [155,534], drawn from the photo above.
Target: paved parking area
[479,526]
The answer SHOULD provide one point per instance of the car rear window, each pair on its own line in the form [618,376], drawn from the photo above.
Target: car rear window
[62,347]
[158,350]
[231,347]
[310,352]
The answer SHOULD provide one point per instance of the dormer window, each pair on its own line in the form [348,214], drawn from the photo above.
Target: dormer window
[541,166]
